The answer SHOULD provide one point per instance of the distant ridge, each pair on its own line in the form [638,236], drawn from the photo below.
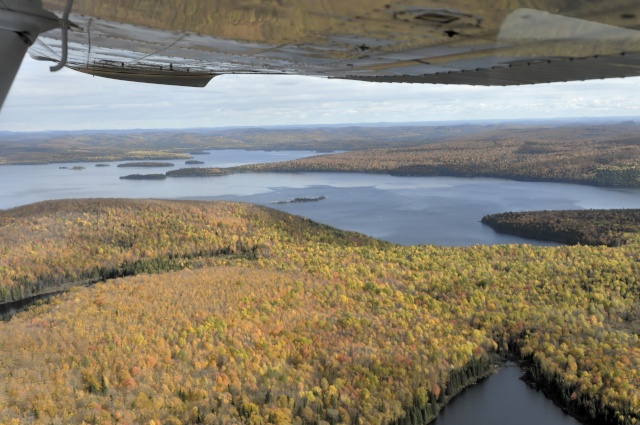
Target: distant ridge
[155,145]
[556,121]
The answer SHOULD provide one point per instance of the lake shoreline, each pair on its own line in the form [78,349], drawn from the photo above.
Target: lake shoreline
[188,172]
[569,410]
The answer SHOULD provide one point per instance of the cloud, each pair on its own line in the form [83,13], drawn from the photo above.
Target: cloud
[69,100]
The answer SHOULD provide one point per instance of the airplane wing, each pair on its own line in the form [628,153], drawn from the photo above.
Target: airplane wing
[476,42]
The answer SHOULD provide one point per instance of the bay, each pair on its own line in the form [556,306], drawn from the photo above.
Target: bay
[503,399]
[407,210]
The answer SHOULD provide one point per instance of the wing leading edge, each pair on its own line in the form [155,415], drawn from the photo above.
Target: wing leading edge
[488,42]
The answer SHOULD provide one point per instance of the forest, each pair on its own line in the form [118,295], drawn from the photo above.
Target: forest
[144,177]
[557,155]
[223,313]
[198,172]
[94,146]
[51,147]
[572,227]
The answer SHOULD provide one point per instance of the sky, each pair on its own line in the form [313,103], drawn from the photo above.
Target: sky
[68,100]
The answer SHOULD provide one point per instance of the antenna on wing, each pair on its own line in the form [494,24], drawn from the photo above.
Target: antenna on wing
[65,42]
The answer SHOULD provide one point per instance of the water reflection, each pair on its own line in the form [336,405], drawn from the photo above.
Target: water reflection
[406,210]
[503,399]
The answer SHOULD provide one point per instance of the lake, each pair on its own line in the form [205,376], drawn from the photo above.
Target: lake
[405,210]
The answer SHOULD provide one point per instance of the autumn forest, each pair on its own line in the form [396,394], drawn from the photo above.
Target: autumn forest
[222,313]
[569,155]
[185,312]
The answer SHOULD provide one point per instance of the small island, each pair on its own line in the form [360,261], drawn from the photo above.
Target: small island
[199,172]
[147,164]
[193,162]
[75,168]
[199,153]
[144,177]
[300,200]
[103,165]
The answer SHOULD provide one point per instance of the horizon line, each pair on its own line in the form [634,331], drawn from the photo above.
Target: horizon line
[355,124]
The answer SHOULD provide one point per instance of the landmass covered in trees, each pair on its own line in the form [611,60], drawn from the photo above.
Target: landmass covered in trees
[270,318]
[89,146]
[586,227]
[596,159]
[93,146]
[144,177]
[198,172]
[301,200]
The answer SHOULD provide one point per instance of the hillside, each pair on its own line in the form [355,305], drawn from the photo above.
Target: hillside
[287,321]
[39,148]
[49,245]
[539,142]
[553,156]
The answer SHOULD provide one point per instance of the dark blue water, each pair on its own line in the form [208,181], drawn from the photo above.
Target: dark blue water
[421,210]
[503,399]
[406,210]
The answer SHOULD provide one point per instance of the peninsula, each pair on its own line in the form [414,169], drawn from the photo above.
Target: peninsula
[593,162]
[585,227]
[605,155]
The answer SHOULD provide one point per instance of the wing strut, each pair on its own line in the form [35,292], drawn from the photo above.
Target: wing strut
[21,21]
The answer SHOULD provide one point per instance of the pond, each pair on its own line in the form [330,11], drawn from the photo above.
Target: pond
[503,399]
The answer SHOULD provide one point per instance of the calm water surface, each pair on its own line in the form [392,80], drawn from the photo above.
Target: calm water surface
[503,399]
[406,210]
